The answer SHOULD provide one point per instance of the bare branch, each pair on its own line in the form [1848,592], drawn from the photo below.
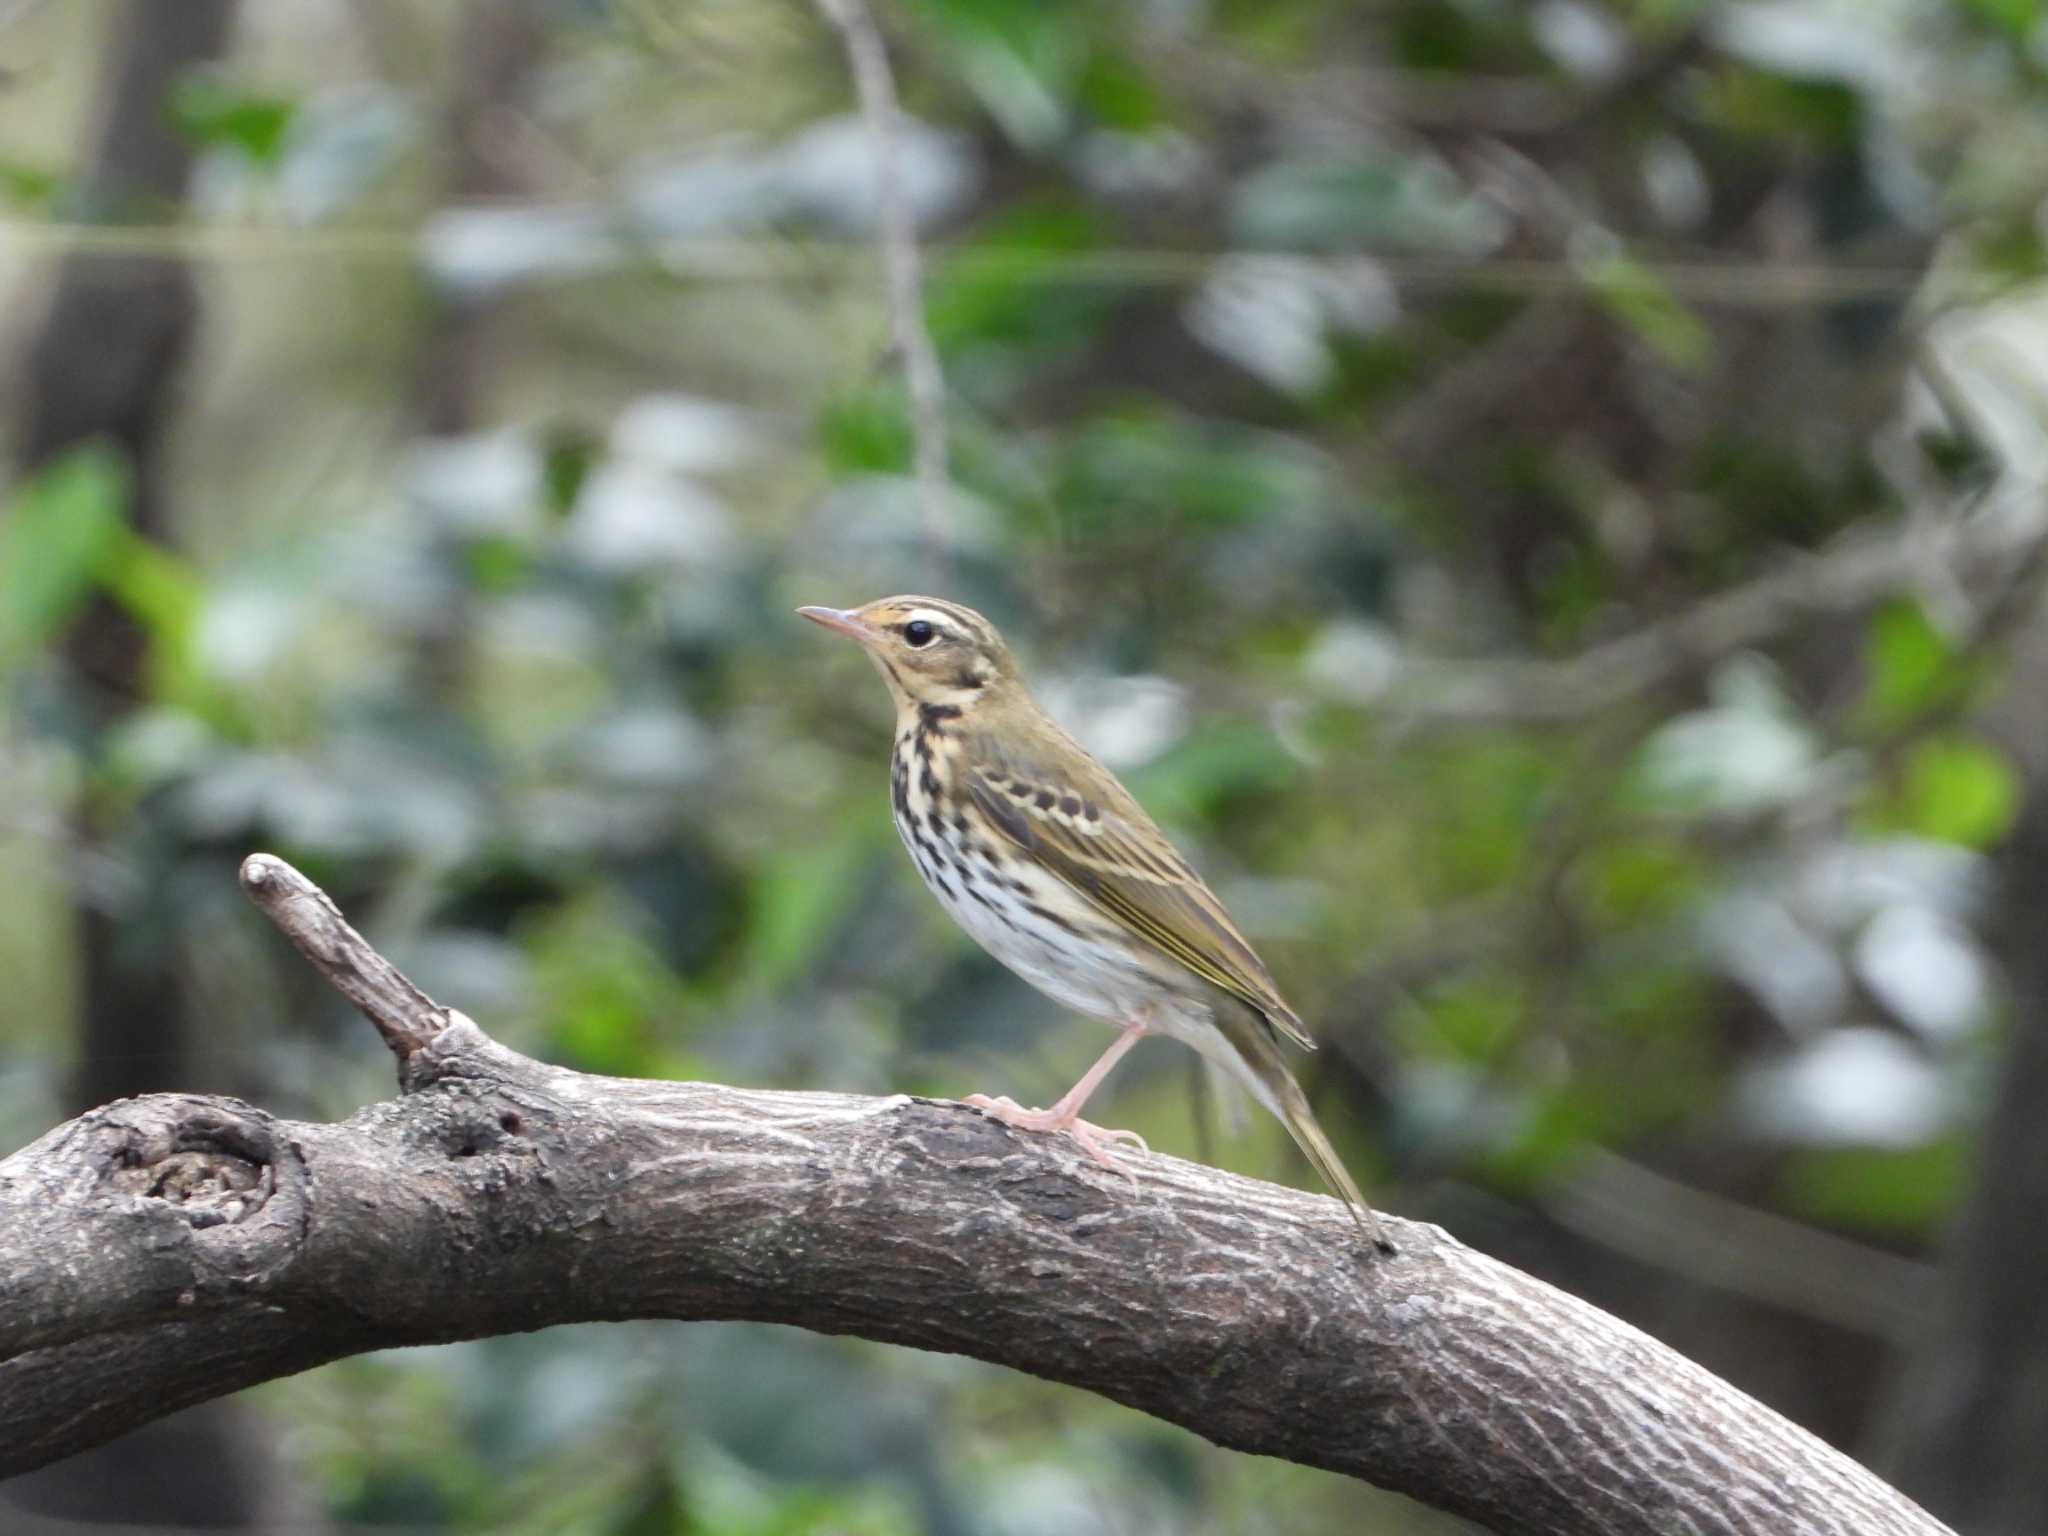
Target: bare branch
[1731,284]
[1870,563]
[170,1249]
[404,1015]
[876,88]
[1743,1249]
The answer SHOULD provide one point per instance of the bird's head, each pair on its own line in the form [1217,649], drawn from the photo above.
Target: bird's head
[932,653]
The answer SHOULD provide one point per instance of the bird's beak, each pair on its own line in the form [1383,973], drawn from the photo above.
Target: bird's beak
[845,620]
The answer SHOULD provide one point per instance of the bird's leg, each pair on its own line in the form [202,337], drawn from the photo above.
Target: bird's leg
[1065,1115]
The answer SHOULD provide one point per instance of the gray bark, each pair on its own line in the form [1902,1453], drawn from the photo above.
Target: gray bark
[167,1249]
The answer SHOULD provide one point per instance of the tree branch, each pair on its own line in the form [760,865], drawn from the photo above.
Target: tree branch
[1863,567]
[1731,284]
[172,1248]
[405,1016]
[876,88]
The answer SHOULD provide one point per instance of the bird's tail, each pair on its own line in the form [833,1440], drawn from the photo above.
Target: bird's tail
[1284,1097]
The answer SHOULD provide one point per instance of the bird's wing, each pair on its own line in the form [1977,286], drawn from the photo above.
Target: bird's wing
[1085,828]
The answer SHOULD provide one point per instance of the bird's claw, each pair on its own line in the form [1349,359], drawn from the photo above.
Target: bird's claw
[1000,1107]
[1095,1140]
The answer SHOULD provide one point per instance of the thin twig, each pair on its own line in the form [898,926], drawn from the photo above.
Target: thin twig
[1731,284]
[1867,565]
[1741,1249]
[405,1016]
[900,259]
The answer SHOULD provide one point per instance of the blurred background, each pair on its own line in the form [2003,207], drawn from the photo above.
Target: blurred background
[1545,501]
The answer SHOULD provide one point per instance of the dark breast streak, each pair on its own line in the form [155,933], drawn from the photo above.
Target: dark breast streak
[922,766]
[916,799]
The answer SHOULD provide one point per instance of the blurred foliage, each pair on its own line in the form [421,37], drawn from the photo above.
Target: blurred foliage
[60,540]
[1289,347]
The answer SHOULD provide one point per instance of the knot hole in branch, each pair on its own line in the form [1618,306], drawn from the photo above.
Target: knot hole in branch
[214,1169]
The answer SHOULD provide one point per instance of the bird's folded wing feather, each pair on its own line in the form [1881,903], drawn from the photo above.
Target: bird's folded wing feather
[1089,832]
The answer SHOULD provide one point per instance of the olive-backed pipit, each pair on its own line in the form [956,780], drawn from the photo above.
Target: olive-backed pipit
[1036,850]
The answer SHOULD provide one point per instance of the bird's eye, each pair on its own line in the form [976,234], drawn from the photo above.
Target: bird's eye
[919,633]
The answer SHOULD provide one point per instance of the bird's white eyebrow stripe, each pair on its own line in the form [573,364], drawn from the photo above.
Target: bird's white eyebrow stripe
[937,610]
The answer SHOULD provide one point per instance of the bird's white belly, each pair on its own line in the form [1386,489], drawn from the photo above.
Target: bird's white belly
[1076,973]
[1087,976]
[1081,971]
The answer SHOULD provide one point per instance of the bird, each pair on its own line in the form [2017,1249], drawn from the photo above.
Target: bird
[1050,864]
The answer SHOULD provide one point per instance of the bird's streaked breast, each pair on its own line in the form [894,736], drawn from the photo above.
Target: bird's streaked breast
[1025,916]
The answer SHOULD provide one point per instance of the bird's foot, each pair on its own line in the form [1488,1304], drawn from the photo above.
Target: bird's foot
[1095,1140]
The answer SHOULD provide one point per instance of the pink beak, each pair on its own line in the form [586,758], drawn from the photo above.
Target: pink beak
[842,619]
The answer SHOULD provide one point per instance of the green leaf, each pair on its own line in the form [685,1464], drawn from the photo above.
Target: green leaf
[1909,666]
[1827,114]
[1957,788]
[164,594]
[1207,766]
[569,454]
[1436,35]
[1120,478]
[2009,244]
[1118,94]
[1877,1188]
[1473,1019]
[1019,57]
[997,289]
[800,898]
[1277,33]
[56,539]
[866,432]
[1486,797]
[497,564]
[28,187]
[1641,300]
[606,988]
[1559,1122]
[1636,881]
[212,113]
[2018,17]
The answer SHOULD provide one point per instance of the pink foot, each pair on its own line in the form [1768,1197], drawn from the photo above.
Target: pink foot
[1093,1139]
